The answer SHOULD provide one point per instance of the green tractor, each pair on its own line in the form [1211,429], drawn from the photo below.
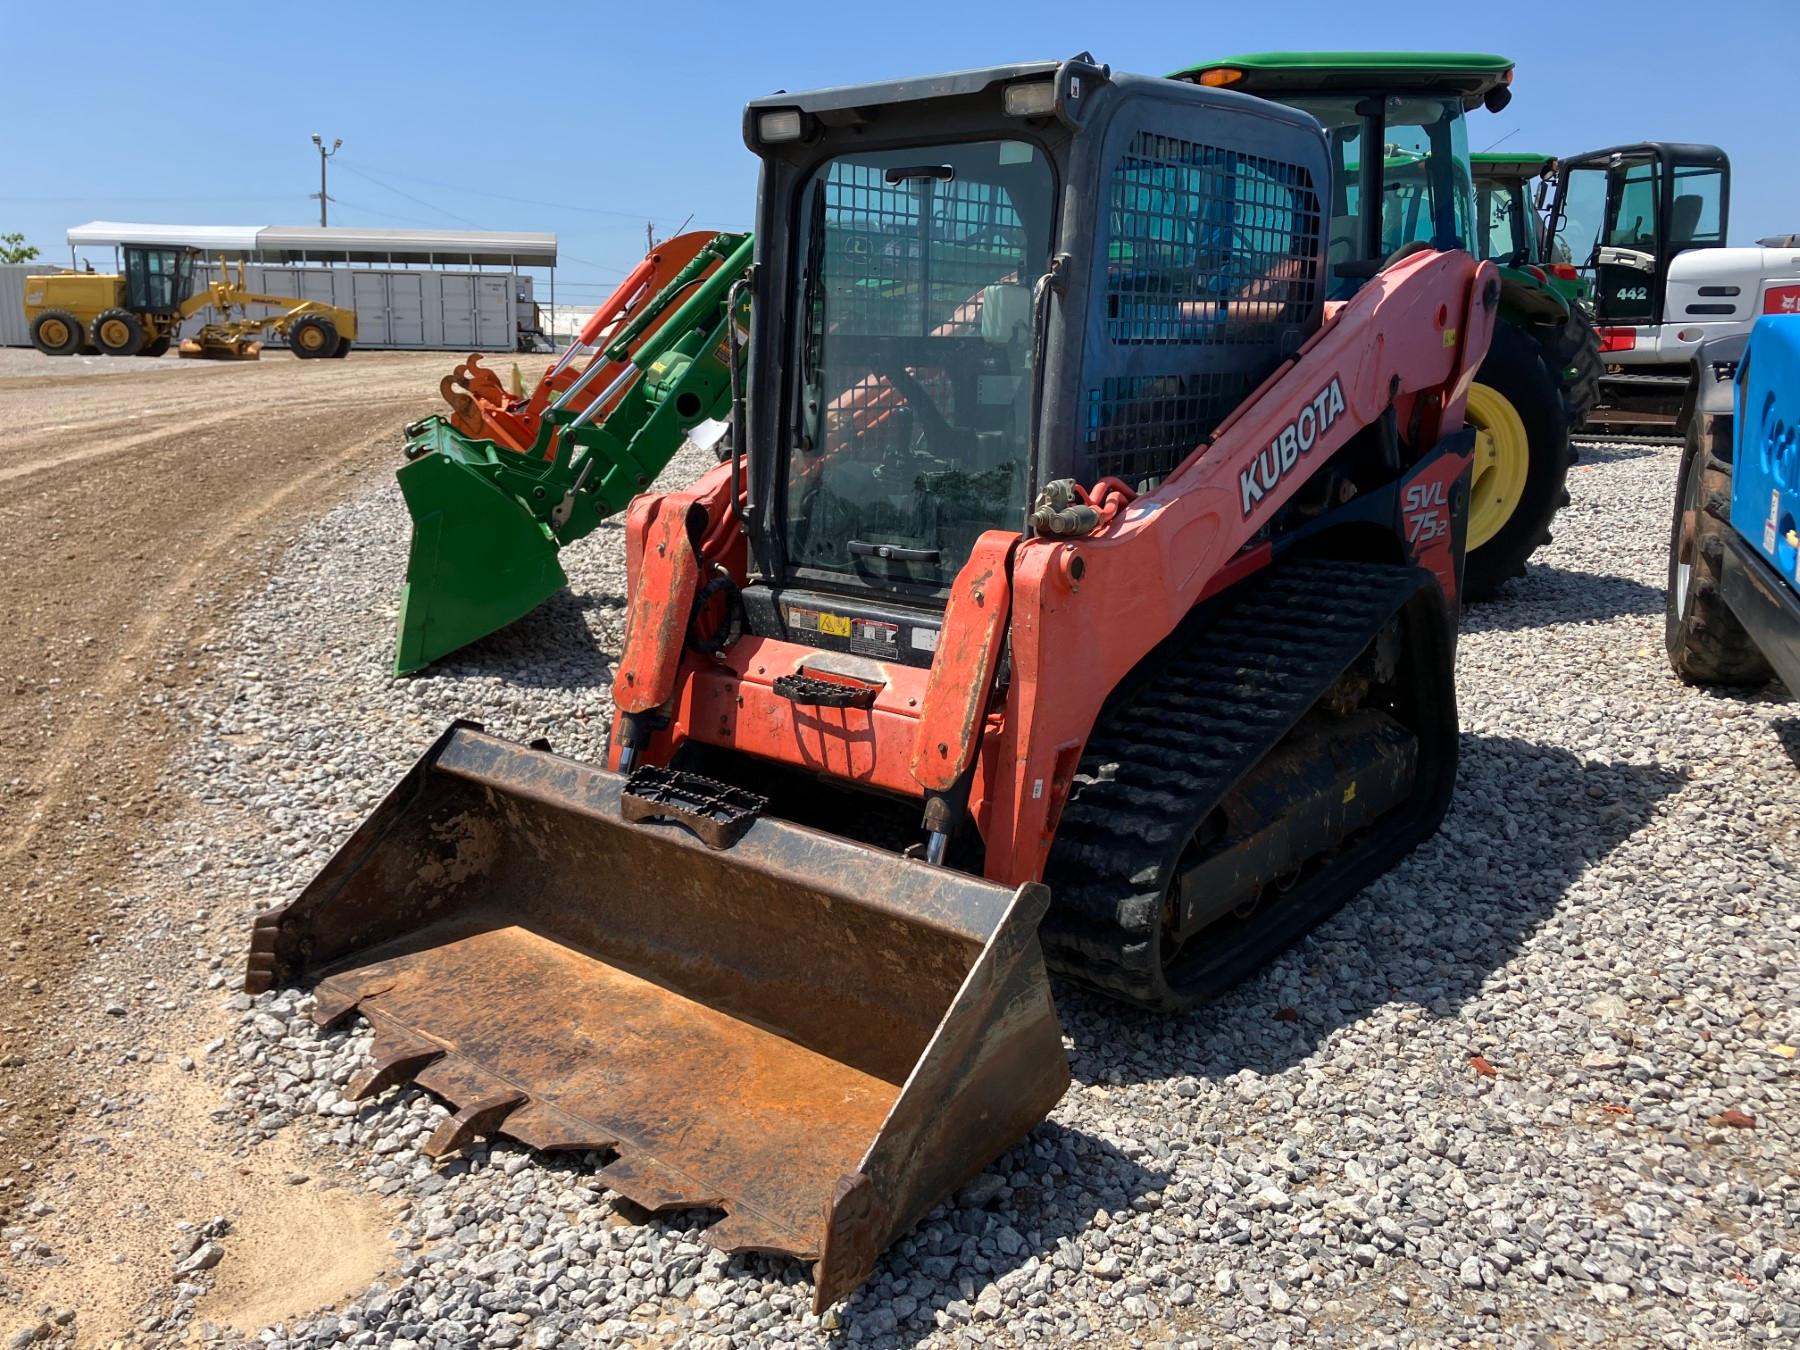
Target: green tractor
[1510,188]
[1540,376]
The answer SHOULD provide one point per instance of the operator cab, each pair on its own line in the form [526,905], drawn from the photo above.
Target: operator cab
[1622,215]
[158,280]
[1509,231]
[1000,279]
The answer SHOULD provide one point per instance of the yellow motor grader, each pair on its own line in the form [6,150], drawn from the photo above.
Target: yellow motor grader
[140,311]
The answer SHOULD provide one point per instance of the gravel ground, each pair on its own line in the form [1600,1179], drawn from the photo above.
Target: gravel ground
[1532,1086]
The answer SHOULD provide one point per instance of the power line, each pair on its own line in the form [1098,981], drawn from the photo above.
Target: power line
[555,206]
[398,192]
[385,215]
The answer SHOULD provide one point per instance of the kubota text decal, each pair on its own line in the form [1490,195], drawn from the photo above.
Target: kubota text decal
[1297,438]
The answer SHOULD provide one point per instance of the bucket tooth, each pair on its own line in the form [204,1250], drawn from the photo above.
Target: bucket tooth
[655,1187]
[399,1058]
[477,1120]
[539,1125]
[333,1007]
[742,1231]
[262,972]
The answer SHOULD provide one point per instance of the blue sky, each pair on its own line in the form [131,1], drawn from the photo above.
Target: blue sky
[498,116]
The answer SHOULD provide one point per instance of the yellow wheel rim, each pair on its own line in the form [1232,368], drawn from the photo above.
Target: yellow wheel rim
[55,332]
[1502,463]
[114,333]
[311,338]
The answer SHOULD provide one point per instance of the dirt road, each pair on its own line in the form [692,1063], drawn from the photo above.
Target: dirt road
[138,500]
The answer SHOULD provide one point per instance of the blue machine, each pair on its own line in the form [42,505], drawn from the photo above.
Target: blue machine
[1765,471]
[1734,584]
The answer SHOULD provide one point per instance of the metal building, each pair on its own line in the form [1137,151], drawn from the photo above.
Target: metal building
[419,289]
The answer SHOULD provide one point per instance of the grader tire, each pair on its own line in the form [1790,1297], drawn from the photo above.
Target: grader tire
[313,337]
[119,332]
[56,332]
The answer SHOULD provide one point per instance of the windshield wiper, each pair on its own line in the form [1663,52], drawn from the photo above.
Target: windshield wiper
[893,552]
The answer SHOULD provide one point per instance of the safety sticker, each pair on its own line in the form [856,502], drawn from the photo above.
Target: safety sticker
[870,634]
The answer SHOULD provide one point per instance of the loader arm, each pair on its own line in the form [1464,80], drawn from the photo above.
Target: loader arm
[1091,610]
[489,518]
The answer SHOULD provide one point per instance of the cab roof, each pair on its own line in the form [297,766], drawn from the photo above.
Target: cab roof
[1471,74]
[1510,163]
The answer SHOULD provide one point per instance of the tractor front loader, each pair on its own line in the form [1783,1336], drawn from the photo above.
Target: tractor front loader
[490,514]
[482,407]
[1081,592]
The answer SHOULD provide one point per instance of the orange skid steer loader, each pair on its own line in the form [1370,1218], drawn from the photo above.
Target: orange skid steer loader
[1110,630]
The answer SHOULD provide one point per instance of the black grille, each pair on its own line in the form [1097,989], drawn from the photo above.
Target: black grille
[1212,252]
[1209,245]
[1140,427]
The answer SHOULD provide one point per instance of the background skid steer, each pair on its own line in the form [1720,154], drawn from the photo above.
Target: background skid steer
[1079,591]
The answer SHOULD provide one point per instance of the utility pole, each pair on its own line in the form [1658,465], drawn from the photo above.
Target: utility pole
[324,155]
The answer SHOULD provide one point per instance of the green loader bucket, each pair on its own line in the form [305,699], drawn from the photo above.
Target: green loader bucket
[479,558]
[820,1039]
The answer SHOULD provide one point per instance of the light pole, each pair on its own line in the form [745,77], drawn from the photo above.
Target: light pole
[324,155]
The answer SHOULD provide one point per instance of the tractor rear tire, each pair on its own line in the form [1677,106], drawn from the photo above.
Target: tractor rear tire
[343,348]
[56,332]
[159,346]
[119,332]
[1705,641]
[1574,352]
[313,337]
[1516,370]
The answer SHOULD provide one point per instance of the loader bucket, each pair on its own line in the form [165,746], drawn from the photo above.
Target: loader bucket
[479,559]
[821,1039]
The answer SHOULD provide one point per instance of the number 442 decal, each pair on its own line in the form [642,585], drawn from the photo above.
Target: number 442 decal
[1427,513]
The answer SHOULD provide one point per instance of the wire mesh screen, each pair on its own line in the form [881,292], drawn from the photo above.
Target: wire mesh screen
[1208,245]
[909,256]
[1142,426]
[1213,252]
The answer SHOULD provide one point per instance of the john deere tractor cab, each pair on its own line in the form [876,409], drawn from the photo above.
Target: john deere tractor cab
[1397,123]
[1620,218]
[1508,229]
[1510,192]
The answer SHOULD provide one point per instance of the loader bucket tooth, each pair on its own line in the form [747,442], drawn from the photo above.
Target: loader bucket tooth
[478,561]
[818,1038]
[398,1059]
[477,1120]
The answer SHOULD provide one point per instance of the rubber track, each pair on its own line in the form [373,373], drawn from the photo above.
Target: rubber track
[1155,766]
